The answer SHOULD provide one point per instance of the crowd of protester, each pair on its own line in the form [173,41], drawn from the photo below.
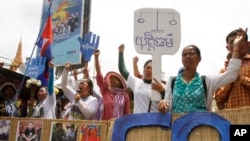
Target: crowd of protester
[121,93]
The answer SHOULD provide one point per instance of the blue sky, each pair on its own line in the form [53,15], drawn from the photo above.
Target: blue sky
[203,23]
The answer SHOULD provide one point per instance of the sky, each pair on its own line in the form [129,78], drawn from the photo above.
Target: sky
[203,23]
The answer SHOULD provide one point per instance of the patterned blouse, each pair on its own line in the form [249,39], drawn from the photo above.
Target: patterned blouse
[188,97]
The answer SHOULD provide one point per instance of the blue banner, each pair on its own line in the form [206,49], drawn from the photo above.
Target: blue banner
[67,21]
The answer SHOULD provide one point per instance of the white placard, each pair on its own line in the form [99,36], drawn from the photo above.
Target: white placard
[157,32]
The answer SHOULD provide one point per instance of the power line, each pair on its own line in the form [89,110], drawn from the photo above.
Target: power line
[5,54]
[6,58]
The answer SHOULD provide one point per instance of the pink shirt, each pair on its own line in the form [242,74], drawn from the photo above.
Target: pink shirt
[108,99]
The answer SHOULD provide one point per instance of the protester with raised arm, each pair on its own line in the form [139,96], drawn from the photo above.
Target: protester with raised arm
[83,105]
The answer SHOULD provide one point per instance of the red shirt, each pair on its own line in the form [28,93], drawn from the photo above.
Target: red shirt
[108,99]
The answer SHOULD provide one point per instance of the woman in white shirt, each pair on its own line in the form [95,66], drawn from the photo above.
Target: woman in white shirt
[84,106]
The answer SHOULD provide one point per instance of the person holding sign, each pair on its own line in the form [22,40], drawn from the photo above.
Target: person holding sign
[141,87]
[188,93]
[84,106]
[139,75]
[113,89]
[45,108]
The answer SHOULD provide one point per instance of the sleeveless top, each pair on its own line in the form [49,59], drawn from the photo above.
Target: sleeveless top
[188,97]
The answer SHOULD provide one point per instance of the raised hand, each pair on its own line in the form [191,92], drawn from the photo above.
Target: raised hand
[88,45]
[36,67]
[135,59]
[121,48]
[67,66]
[97,53]
[240,38]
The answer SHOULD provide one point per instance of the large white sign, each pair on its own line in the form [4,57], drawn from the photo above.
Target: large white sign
[157,32]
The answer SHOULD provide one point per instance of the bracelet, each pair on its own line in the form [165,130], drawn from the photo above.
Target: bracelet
[236,50]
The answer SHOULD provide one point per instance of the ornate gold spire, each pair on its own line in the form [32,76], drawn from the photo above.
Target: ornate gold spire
[18,60]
